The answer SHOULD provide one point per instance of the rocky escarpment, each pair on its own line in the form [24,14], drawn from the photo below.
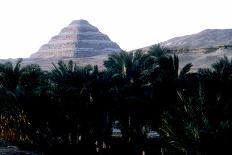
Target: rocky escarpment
[79,39]
[201,49]
[203,57]
[210,38]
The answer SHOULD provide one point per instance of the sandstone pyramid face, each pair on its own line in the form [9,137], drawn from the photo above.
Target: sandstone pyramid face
[77,40]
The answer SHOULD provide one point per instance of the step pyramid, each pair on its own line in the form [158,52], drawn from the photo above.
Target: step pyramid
[78,40]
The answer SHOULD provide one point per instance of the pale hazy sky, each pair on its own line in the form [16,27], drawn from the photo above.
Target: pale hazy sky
[27,24]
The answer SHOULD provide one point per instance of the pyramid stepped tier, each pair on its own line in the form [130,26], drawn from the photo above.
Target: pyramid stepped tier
[79,39]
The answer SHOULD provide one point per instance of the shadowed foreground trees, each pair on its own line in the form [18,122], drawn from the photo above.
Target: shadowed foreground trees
[141,102]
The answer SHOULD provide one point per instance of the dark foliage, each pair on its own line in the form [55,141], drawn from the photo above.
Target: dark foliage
[141,102]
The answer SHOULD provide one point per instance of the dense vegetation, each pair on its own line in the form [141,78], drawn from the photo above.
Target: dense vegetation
[141,102]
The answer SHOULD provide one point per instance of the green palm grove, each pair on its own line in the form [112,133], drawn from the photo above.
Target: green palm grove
[141,103]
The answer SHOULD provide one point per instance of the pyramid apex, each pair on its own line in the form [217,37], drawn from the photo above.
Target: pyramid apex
[80,21]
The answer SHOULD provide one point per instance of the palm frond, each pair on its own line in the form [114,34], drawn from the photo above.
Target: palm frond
[18,65]
[186,69]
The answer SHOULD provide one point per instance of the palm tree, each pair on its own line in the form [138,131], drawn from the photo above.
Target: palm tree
[216,86]
[15,81]
[185,130]
[127,87]
[32,79]
[158,51]
[164,81]
[10,74]
[126,65]
[73,87]
[199,124]
[14,77]
[165,78]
